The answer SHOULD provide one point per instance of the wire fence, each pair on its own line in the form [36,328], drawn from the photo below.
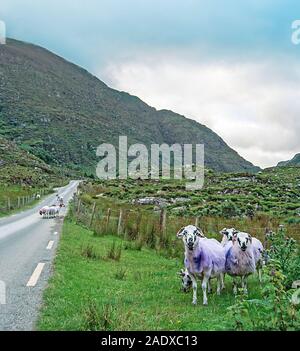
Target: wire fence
[158,229]
[10,203]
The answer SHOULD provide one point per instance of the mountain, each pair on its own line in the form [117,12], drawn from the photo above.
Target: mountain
[295,161]
[61,113]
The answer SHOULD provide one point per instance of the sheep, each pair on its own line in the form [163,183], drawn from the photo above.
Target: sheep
[204,258]
[228,235]
[43,211]
[186,281]
[49,211]
[54,211]
[240,259]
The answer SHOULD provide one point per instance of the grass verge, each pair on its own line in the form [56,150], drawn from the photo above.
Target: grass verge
[138,291]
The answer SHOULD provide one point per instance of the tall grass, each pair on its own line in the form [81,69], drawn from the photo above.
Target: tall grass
[144,227]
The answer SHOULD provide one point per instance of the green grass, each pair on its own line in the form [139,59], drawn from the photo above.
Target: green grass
[140,291]
[13,192]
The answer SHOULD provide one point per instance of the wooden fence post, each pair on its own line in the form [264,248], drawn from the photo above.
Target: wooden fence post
[164,224]
[8,204]
[120,222]
[107,219]
[138,222]
[19,202]
[163,221]
[197,222]
[93,214]
[78,207]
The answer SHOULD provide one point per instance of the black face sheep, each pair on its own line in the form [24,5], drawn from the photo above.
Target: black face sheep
[228,235]
[186,281]
[240,259]
[204,258]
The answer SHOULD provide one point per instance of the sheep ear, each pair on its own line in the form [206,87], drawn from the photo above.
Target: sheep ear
[180,233]
[181,273]
[250,238]
[223,231]
[234,237]
[200,232]
[235,231]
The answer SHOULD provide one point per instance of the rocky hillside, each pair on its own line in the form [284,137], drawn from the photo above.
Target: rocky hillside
[295,161]
[61,113]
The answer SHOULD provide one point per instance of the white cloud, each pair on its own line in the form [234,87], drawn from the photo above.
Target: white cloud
[253,106]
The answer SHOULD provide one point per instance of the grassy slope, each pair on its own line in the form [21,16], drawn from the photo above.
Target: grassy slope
[13,192]
[20,167]
[275,191]
[149,298]
[23,174]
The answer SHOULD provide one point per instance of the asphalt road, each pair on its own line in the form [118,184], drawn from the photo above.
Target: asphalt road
[27,248]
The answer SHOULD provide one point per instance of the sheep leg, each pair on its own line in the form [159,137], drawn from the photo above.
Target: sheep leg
[204,288]
[244,284]
[222,277]
[234,283]
[219,280]
[194,284]
[209,286]
[259,270]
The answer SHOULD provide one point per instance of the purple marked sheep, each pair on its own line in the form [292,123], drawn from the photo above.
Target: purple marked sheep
[240,259]
[228,235]
[204,258]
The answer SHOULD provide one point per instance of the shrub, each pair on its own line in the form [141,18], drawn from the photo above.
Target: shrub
[273,312]
[114,252]
[97,319]
[229,209]
[285,251]
[120,274]
[90,252]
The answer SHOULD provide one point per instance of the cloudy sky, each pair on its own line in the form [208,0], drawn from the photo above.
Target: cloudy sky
[228,64]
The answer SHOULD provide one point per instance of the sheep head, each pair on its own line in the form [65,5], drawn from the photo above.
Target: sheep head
[190,235]
[243,240]
[229,233]
[186,281]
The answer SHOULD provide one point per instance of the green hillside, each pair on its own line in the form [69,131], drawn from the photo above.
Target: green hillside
[295,161]
[19,167]
[61,113]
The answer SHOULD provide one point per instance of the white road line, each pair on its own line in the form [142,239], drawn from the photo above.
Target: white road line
[35,275]
[50,245]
